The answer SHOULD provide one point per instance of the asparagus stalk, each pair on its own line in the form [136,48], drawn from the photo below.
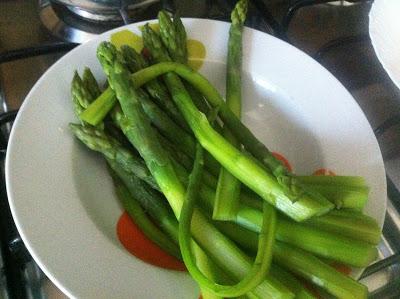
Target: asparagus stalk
[155,206]
[291,282]
[228,189]
[133,208]
[157,216]
[240,165]
[173,152]
[143,137]
[157,116]
[98,141]
[102,105]
[349,224]
[311,268]
[166,126]
[262,260]
[81,97]
[91,84]
[329,245]
[342,195]
[208,269]
[300,263]
[353,198]
[252,144]
[323,243]
[173,132]
[348,181]
[135,62]
[317,241]
[75,91]
[173,36]
[97,111]
[152,201]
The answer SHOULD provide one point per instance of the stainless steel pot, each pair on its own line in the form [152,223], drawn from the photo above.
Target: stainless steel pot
[102,10]
[98,6]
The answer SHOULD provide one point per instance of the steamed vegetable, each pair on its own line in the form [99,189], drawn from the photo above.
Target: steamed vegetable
[143,137]
[158,119]
[228,189]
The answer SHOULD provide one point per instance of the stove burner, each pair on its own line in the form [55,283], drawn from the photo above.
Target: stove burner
[76,25]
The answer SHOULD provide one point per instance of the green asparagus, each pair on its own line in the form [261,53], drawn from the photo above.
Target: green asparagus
[152,163]
[91,84]
[135,62]
[134,210]
[143,137]
[262,261]
[228,189]
[240,165]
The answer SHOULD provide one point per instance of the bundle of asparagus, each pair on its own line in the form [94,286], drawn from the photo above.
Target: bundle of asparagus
[243,224]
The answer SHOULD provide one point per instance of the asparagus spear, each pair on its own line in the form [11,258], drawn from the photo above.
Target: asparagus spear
[152,201]
[98,110]
[302,264]
[348,223]
[133,208]
[327,244]
[354,225]
[91,84]
[307,266]
[153,198]
[154,205]
[336,189]
[345,192]
[158,117]
[243,167]
[173,35]
[228,189]
[76,101]
[174,133]
[291,282]
[102,105]
[155,88]
[162,215]
[325,180]
[262,261]
[330,245]
[143,137]
[97,140]
[81,97]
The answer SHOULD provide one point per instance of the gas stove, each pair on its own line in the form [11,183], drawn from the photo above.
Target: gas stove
[33,35]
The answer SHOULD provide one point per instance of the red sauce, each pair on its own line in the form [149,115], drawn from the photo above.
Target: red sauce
[323,171]
[136,242]
[281,158]
[341,268]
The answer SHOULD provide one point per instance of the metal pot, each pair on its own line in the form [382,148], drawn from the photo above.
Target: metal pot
[102,10]
[97,6]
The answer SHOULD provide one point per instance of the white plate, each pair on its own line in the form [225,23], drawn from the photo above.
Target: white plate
[61,196]
[384,30]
